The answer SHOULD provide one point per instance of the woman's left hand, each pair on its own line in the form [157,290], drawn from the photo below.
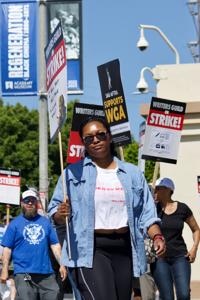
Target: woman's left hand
[160,247]
[158,239]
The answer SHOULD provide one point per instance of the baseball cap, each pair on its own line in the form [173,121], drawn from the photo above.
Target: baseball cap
[166,182]
[29,194]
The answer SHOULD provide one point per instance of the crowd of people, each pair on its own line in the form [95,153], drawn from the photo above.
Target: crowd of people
[111,212]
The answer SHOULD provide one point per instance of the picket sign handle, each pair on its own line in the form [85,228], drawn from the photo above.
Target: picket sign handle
[7,214]
[64,193]
[121,153]
[155,173]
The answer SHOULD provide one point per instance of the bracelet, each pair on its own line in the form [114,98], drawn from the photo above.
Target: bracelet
[158,236]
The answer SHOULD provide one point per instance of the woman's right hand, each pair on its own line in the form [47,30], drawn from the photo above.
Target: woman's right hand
[63,211]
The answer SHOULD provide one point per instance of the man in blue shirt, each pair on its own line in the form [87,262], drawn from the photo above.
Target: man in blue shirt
[27,241]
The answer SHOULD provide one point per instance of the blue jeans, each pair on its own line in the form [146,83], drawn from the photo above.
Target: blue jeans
[169,271]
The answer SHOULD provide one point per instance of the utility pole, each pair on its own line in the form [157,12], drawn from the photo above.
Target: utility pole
[194,46]
[43,116]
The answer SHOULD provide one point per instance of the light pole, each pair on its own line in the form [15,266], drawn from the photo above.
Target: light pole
[142,85]
[143,44]
[194,46]
[43,118]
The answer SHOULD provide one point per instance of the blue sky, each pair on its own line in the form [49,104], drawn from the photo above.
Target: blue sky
[110,31]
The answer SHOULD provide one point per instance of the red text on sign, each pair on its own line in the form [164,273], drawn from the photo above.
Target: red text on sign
[14,181]
[161,119]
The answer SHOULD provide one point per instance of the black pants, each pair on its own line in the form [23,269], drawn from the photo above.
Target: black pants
[110,278]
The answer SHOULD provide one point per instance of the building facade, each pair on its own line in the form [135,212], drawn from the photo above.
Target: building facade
[180,82]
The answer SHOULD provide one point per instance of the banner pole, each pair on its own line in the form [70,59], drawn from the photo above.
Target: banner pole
[64,191]
[40,208]
[155,173]
[43,115]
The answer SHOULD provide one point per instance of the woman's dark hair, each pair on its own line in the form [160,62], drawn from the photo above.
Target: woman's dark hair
[103,122]
[93,119]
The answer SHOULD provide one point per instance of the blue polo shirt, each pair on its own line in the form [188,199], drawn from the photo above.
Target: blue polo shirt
[29,241]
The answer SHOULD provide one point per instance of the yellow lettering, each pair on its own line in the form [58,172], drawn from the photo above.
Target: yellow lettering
[121,112]
[109,115]
[116,113]
[113,102]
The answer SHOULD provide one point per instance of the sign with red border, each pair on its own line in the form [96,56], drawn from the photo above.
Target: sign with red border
[9,186]
[76,150]
[163,131]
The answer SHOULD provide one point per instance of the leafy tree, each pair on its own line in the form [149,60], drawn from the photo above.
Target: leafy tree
[149,168]
[131,152]
[131,155]
[19,141]
[19,145]
[54,156]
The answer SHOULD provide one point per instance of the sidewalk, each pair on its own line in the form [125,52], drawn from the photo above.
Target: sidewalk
[195,294]
[70,297]
[195,290]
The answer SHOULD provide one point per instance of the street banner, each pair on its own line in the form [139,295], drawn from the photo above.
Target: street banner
[163,131]
[81,112]
[56,78]
[9,186]
[141,162]
[114,102]
[18,34]
[198,184]
[69,13]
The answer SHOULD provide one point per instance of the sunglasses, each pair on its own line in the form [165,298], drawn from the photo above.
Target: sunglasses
[89,139]
[28,200]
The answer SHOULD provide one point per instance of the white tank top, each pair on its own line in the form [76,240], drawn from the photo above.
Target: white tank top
[110,206]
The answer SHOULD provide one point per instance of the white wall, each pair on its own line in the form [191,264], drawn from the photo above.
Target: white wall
[181,83]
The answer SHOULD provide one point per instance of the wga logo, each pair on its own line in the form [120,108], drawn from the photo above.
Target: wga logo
[33,233]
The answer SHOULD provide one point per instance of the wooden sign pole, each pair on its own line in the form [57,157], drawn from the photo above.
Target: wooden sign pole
[64,191]
[155,173]
[7,214]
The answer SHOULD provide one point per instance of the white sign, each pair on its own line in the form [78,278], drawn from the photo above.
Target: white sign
[9,187]
[56,80]
[163,131]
